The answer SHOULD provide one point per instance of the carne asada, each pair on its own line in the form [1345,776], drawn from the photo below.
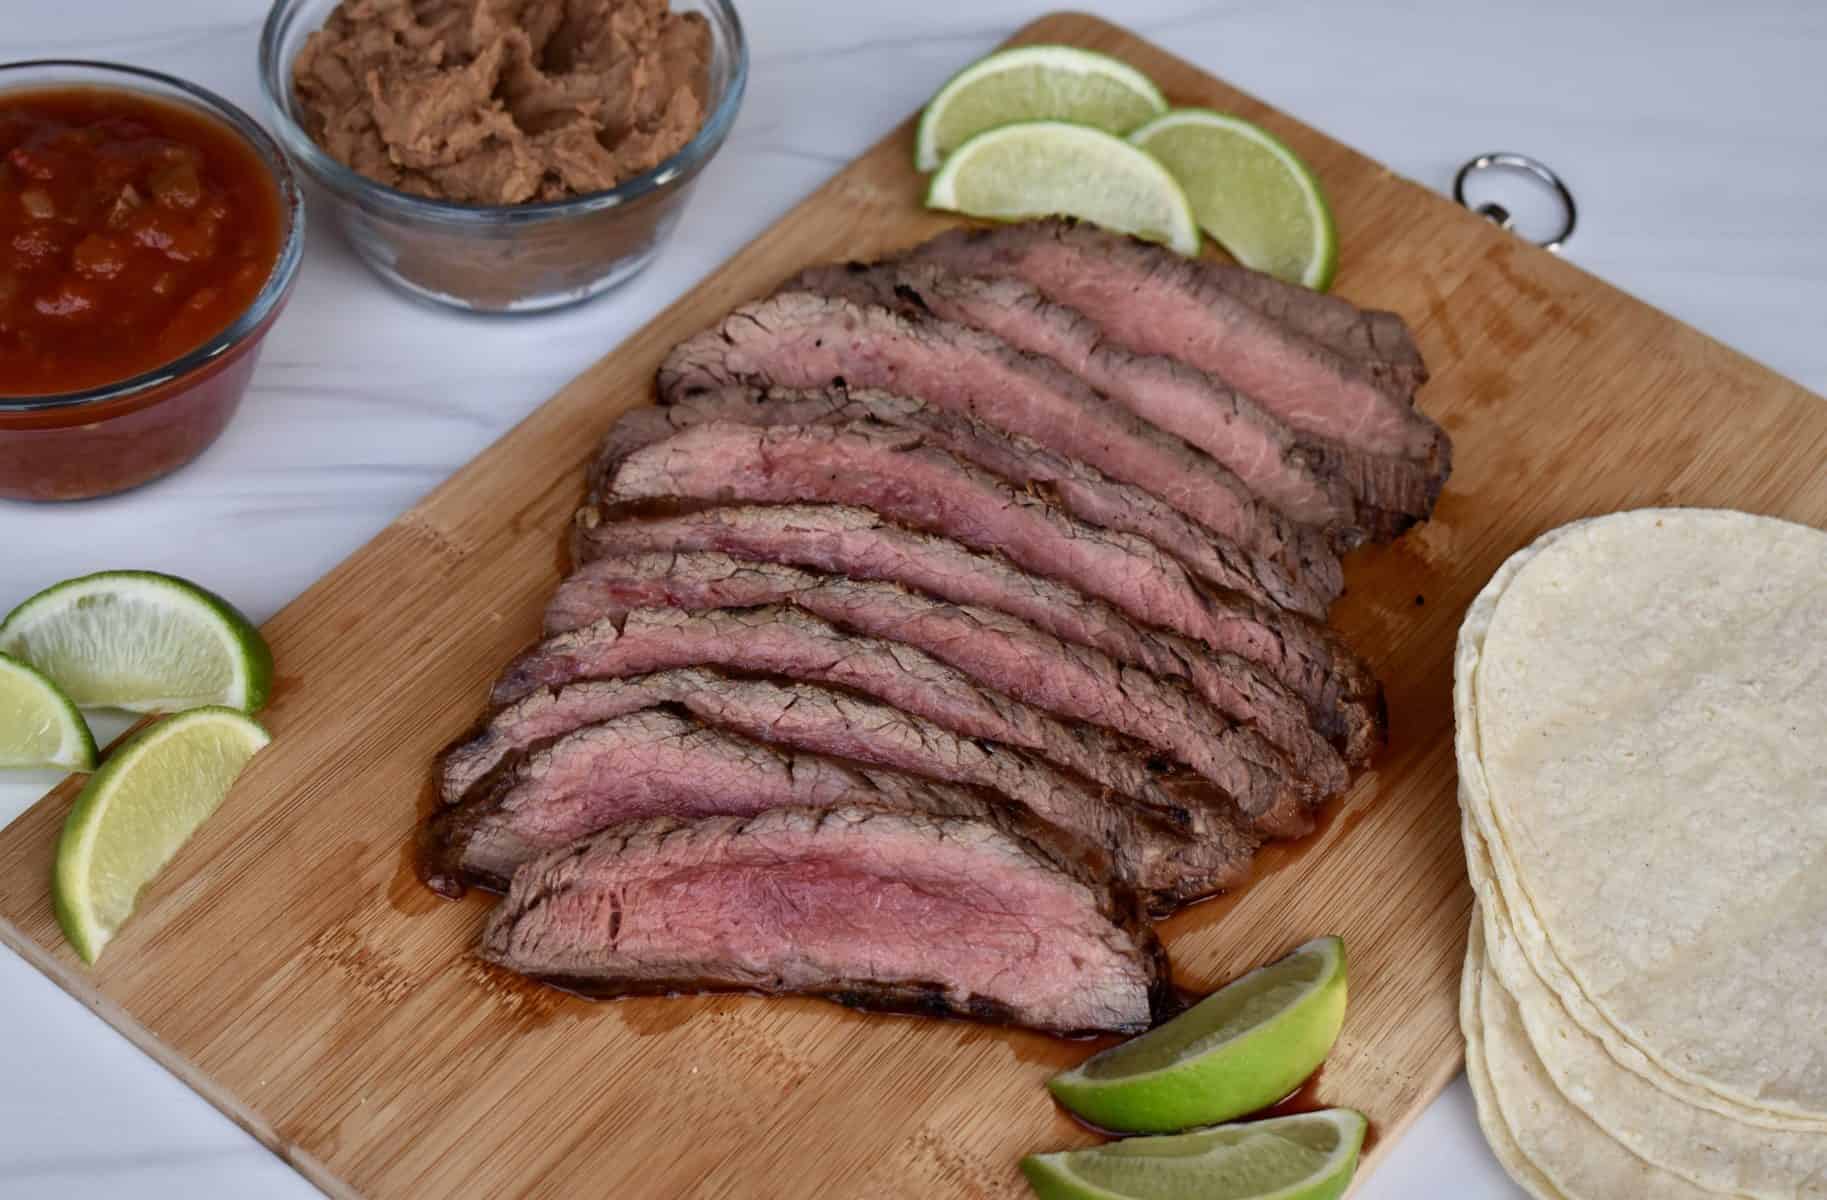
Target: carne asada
[899,474]
[1265,455]
[946,617]
[1304,576]
[1051,249]
[782,640]
[1166,862]
[638,765]
[1362,428]
[798,340]
[862,544]
[896,911]
[996,650]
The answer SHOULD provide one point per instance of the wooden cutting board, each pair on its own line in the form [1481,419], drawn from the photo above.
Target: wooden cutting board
[290,968]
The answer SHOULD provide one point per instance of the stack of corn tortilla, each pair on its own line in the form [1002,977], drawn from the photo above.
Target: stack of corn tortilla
[1641,705]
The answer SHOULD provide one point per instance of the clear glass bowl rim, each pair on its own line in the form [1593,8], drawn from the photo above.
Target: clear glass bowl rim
[403,205]
[285,267]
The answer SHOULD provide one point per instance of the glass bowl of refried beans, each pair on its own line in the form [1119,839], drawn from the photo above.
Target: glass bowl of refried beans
[504,155]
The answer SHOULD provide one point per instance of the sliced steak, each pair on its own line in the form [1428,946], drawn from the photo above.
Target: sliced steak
[1376,338]
[1080,490]
[1380,341]
[787,642]
[638,765]
[882,910]
[1154,302]
[800,341]
[899,475]
[1001,652]
[864,545]
[1163,861]
[1257,447]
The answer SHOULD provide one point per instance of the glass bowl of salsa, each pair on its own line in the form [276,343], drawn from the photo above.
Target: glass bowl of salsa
[150,232]
[523,257]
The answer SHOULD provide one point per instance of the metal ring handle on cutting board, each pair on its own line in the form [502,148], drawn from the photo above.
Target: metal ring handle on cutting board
[1531,166]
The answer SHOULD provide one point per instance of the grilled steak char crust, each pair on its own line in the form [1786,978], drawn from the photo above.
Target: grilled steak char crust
[1361,425]
[899,475]
[781,640]
[1163,861]
[884,910]
[1073,487]
[1000,652]
[862,544]
[803,341]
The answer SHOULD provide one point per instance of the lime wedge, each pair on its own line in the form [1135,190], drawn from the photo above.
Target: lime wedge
[1310,1156]
[141,641]
[1250,192]
[1046,168]
[1240,1049]
[39,726]
[1034,83]
[144,803]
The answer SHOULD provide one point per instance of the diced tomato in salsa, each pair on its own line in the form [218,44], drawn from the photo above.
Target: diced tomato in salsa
[132,231]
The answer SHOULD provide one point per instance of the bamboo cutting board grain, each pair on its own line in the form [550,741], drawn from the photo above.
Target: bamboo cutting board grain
[289,967]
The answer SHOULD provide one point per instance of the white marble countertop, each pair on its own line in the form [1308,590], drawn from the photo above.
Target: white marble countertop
[1689,130]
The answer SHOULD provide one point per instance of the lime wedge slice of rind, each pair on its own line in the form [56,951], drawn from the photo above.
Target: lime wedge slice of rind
[1056,168]
[39,725]
[141,641]
[1308,1156]
[135,812]
[1238,1051]
[1034,83]
[1251,192]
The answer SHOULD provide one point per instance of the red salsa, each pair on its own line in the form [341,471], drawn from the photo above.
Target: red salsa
[132,231]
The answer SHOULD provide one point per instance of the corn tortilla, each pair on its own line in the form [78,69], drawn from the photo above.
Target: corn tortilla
[1639,700]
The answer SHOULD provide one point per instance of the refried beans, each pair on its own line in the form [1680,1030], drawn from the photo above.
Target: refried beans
[503,101]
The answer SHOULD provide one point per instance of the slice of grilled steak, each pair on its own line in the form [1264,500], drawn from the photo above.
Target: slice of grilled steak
[638,765]
[864,545]
[803,341]
[1380,341]
[1154,302]
[788,642]
[881,910]
[1256,446]
[1306,576]
[1001,652]
[897,473]
[1167,864]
